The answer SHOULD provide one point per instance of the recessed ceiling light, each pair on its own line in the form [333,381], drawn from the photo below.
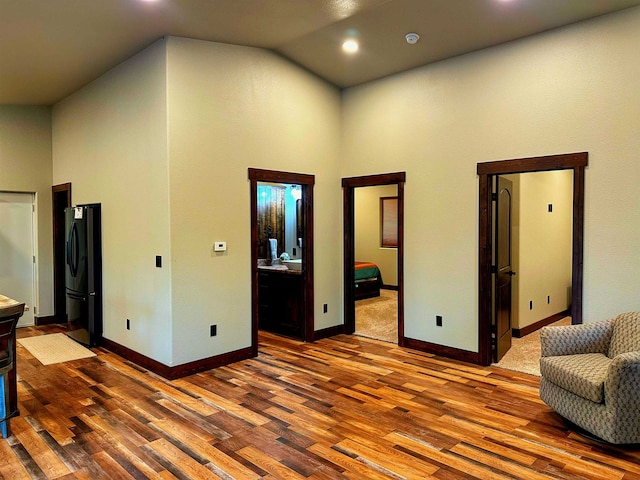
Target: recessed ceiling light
[350,46]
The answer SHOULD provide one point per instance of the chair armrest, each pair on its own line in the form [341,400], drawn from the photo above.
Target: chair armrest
[622,385]
[574,339]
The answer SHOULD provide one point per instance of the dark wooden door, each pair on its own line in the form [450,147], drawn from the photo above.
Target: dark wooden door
[503,267]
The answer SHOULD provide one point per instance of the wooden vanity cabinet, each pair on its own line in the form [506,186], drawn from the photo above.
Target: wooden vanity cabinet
[281,302]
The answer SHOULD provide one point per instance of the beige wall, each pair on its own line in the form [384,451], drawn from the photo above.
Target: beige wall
[25,166]
[367,231]
[110,142]
[231,108]
[570,90]
[164,142]
[542,243]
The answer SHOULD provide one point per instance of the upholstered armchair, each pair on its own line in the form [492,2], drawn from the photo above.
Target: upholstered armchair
[590,375]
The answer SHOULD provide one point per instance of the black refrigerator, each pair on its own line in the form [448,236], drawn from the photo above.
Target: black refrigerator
[83,278]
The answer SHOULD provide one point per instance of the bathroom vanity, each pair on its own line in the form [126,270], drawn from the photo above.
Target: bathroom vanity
[281,300]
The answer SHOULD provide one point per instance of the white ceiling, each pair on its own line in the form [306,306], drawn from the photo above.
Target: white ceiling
[50,48]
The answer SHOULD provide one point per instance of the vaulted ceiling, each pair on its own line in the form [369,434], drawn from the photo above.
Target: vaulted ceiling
[50,48]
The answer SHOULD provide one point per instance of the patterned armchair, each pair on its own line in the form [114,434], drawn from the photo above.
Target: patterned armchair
[590,375]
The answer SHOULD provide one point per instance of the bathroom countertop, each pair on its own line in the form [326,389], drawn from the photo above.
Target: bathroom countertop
[279,269]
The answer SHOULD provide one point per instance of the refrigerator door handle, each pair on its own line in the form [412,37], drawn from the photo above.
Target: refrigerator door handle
[72,250]
[76,253]
[69,240]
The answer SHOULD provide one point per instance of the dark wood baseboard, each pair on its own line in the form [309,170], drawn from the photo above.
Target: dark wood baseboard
[179,371]
[441,350]
[328,332]
[47,320]
[521,332]
[389,287]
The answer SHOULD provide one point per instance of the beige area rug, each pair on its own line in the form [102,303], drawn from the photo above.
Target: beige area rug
[55,348]
[524,354]
[378,317]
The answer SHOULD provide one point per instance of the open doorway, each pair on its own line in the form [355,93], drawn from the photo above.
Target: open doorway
[359,287]
[61,199]
[282,254]
[488,304]
[533,238]
[376,262]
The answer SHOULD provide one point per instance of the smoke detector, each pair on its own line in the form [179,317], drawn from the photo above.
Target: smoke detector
[412,38]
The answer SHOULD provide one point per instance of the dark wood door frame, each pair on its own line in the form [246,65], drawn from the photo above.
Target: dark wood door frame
[348,187]
[60,199]
[486,171]
[307,182]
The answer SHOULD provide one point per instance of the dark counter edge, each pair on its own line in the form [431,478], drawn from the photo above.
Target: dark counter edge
[17,309]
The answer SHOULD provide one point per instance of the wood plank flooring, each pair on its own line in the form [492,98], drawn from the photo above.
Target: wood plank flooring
[345,407]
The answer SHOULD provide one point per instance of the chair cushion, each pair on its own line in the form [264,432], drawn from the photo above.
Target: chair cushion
[626,334]
[582,374]
[593,337]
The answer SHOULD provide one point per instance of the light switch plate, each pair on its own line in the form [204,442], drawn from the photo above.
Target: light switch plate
[220,247]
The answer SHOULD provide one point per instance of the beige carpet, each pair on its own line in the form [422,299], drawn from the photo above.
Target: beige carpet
[524,354]
[378,317]
[55,348]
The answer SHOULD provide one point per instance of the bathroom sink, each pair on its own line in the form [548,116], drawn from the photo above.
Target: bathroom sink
[295,264]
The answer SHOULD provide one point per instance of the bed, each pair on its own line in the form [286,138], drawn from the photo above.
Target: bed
[368,280]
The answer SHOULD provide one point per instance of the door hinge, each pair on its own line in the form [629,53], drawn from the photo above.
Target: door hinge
[494,269]
[494,197]
[34,259]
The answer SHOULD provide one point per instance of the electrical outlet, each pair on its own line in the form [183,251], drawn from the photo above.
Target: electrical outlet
[213,330]
[548,298]
[128,324]
[438,320]
[325,308]
[530,304]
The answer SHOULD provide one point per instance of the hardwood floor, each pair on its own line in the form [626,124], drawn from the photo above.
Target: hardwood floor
[344,407]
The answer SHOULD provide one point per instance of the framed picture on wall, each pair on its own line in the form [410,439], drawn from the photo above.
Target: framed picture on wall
[389,222]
